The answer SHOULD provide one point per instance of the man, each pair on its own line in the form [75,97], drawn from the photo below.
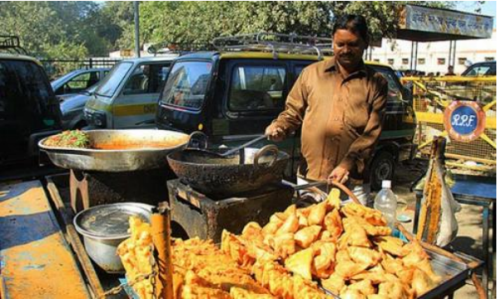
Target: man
[450,71]
[340,104]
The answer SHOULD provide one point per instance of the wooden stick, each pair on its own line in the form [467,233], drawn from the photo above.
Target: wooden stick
[75,241]
[161,228]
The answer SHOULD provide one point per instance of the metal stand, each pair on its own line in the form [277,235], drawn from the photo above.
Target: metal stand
[206,218]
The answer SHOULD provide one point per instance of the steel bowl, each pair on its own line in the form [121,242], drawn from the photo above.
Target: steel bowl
[104,227]
[147,149]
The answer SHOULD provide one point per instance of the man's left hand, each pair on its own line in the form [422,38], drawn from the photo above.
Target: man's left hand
[339,174]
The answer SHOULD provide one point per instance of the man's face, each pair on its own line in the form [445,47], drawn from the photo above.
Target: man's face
[348,48]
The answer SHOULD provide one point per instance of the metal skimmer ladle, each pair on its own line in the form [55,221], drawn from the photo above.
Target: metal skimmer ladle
[201,144]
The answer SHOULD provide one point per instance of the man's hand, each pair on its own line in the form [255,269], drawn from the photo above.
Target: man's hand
[339,174]
[275,133]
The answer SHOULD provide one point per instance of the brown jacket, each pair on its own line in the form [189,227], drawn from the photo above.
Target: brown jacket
[341,118]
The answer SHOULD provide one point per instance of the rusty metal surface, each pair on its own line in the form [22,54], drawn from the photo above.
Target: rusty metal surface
[72,235]
[223,177]
[36,260]
[204,217]
[119,160]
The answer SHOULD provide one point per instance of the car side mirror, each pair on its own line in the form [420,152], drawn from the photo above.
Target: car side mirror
[407,95]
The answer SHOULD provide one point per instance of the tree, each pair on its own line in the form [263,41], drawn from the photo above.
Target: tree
[49,29]
[200,22]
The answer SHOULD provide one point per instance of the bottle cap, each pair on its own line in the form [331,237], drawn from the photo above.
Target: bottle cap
[386,184]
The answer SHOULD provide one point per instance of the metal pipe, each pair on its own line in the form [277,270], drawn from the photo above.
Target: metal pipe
[416,56]
[137,29]
[411,57]
[454,53]
[450,54]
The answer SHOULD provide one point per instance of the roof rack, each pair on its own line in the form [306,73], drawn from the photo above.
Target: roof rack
[11,42]
[275,43]
[181,48]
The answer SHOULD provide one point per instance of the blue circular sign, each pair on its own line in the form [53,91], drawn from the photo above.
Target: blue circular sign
[464,120]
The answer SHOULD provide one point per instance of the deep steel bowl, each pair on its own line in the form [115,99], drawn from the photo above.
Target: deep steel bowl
[104,227]
[118,160]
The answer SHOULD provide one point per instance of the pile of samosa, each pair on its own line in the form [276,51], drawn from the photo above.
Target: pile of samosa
[300,253]
[348,250]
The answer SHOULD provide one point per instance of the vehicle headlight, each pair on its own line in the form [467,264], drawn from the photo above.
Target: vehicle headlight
[99,120]
[96,118]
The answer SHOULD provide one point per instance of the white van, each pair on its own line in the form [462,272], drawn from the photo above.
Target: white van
[127,97]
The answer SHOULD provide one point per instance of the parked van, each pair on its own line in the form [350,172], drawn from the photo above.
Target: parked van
[127,96]
[29,109]
[232,96]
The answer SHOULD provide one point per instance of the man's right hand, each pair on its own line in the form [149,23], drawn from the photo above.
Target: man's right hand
[275,133]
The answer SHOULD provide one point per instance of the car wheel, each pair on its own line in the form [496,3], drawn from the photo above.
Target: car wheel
[382,168]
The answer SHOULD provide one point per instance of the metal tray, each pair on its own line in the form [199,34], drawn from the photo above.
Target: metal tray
[118,160]
[453,273]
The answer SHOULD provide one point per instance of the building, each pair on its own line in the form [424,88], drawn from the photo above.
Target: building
[433,57]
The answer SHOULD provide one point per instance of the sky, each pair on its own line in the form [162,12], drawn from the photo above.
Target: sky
[488,8]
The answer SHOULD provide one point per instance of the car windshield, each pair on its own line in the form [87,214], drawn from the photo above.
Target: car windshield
[111,82]
[187,84]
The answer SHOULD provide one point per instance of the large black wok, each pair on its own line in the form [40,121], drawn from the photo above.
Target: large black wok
[211,174]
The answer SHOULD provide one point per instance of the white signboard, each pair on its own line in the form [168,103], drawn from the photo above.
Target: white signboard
[446,21]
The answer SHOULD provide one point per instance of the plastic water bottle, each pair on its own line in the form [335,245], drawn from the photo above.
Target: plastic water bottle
[386,202]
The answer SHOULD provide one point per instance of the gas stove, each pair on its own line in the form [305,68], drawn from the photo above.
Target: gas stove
[91,188]
[194,214]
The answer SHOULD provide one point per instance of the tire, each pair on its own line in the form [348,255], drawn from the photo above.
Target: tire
[382,168]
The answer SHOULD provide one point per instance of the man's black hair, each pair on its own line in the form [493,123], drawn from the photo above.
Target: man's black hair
[353,23]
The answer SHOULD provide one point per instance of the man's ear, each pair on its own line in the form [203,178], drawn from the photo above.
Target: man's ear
[367,41]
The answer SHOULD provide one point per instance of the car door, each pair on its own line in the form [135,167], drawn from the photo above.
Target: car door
[253,96]
[135,107]
[27,106]
[399,120]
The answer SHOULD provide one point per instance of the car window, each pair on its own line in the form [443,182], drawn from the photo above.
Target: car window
[82,81]
[257,88]
[23,88]
[62,79]
[146,78]
[481,70]
[394,92]
[298,69]
[111,82]
[187,84]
